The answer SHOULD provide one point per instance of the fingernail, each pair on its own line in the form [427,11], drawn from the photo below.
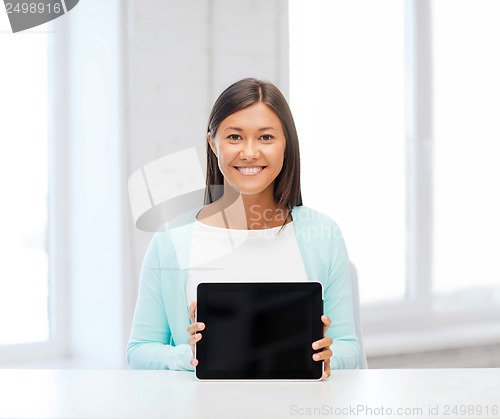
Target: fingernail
[315,346]
[316,357]
[200,326]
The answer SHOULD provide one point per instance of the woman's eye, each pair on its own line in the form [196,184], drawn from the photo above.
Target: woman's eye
[267,137]
[234,137]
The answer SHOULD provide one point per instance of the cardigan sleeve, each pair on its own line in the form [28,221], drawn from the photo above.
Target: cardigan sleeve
[326,260]
[149,346]
[338,305]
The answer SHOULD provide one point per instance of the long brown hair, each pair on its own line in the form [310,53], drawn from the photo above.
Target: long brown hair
[236,97]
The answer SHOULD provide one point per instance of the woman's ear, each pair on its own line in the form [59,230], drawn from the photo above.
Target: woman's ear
[212,144]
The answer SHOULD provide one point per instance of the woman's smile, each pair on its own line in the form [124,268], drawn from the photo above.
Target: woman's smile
[249,170]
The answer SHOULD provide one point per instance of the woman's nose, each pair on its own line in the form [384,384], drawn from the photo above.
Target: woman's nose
[249,150]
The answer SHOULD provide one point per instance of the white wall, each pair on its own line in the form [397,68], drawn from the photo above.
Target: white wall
[132,81]
[93,97]
[180,56]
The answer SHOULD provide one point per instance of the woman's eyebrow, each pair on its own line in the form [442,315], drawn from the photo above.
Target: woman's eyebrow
[240,129]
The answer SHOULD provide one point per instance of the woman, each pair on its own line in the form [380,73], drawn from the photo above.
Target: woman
[253,226]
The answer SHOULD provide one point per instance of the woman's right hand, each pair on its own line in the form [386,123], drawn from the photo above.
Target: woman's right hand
[193,330]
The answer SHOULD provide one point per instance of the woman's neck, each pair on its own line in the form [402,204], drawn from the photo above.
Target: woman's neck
[245,212]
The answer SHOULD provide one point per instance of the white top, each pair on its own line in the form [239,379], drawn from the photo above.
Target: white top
[229,255]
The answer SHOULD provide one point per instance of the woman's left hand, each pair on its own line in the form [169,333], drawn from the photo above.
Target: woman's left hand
[324,345]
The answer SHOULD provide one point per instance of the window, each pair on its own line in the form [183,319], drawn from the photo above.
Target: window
[466,145]
[397,107]
[24,270]
[347,94]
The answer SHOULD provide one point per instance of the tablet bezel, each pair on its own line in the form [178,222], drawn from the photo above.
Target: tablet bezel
[316,295]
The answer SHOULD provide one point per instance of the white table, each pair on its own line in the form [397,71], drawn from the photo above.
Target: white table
[169,394]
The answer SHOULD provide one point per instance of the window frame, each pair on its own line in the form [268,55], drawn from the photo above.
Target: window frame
[422,321]
[56,346]
[419,325]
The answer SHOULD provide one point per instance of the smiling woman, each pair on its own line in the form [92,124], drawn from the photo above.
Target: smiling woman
[252,196]
[256,116]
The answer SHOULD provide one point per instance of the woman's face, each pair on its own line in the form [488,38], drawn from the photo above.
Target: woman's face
[250,148]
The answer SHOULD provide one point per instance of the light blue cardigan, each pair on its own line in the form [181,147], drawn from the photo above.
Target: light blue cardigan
[158,339]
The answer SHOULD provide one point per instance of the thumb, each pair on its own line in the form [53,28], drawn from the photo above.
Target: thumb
[326,323]
[192,311]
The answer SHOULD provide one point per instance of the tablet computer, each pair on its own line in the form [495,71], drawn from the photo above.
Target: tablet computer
[259,330]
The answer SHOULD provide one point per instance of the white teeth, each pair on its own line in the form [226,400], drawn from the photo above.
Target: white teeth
[249,170]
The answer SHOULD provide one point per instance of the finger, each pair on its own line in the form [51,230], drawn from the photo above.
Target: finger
[322,343]
[195,327]
[323,355]
[194,362]
[194,339]
[326,369]
[192,311]
[326,322]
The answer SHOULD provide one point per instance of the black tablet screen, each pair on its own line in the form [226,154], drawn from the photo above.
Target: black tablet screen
[259,330]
